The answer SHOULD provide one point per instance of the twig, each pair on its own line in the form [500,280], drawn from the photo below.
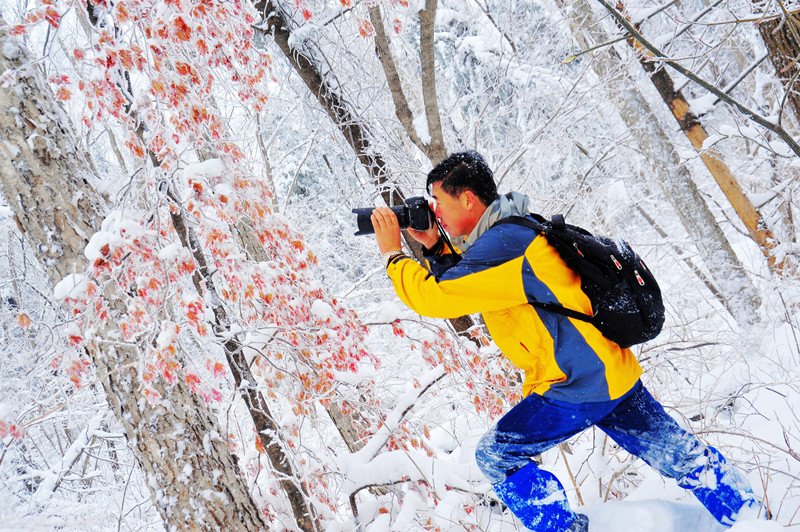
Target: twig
[124,493]
[571,476]
[765,502]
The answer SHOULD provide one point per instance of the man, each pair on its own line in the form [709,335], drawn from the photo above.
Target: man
[574,377]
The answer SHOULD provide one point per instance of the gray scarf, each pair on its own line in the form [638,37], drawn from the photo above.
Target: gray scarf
[511,204]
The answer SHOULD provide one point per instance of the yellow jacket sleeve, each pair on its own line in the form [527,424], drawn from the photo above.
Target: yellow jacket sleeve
[484,290]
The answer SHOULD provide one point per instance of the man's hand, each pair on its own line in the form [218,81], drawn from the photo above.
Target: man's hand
[427,238]
[387,229]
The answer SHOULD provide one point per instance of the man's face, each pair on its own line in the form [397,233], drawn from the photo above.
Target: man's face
[456,213]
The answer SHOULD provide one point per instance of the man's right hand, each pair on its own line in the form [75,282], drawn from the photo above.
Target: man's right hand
[430,236]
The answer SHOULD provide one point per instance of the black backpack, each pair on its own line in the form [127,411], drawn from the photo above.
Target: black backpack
[625,297]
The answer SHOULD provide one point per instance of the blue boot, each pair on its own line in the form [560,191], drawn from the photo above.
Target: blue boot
[722,489]
[580,524]
[538,500]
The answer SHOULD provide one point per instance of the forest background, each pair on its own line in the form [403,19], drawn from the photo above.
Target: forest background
[192,337]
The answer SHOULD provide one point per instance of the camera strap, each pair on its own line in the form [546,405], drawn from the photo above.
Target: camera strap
[444,236]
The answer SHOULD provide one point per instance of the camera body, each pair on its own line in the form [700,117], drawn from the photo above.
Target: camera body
[416,214]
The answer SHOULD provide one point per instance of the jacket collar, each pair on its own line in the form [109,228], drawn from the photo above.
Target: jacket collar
[511,204]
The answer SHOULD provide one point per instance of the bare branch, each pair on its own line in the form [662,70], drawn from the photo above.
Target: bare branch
[755,117]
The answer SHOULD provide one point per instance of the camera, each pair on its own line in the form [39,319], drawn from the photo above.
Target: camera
[416,213]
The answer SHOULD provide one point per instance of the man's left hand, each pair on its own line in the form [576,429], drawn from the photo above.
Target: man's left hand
[387,229]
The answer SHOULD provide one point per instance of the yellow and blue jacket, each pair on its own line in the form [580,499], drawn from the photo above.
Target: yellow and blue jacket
[504,270]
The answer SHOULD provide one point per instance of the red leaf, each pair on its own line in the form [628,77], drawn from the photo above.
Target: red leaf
[182,31]
[52,16]
[365,28]
[24,321]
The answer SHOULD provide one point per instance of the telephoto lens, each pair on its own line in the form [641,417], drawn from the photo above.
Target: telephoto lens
[364,219]
[416,213]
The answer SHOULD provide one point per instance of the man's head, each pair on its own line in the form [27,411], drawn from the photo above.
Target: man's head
[463,186]
[462,171]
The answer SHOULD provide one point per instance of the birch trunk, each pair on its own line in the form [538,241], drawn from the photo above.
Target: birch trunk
[736,289]
[193,479]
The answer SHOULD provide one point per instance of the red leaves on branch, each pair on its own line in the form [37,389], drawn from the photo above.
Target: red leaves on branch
[76,370]
[63,94]
[365,28]
[52,16]
[182,30]
[10,429]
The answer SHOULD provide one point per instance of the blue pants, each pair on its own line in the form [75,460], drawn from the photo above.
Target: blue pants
[636,421]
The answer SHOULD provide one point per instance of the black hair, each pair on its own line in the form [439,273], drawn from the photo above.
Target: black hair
[462,171]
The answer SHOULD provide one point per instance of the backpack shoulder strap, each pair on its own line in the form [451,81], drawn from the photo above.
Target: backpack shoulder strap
[534,221]
[540,224]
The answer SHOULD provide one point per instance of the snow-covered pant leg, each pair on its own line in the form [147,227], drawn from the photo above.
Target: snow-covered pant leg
[505,454]
[641,426]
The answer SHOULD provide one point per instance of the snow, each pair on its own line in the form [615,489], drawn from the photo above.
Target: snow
[13,150]
[390,311]
[421,128]
[94,248]
[73,285]
[702,105]
[11,50]
[656,516]
[206,169]
[735,387]
[667,511]
[171,251]
[322,310]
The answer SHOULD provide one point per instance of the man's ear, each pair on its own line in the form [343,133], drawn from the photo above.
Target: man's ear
[469,199]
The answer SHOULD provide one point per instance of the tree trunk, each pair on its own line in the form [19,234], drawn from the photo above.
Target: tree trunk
[427,18]
[741,298]
[782,38]
[193,479]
